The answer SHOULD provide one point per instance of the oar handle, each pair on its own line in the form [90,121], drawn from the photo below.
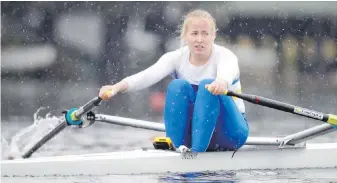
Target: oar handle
[87,107]
[329,118]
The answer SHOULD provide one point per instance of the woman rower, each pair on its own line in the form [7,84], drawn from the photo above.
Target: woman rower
[197,114]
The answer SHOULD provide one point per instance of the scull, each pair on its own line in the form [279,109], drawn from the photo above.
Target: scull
[286,152]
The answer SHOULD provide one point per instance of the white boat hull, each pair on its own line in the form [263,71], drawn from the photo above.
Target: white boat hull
[155,161]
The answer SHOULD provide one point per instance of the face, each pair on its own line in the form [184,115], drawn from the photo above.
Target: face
[199,36]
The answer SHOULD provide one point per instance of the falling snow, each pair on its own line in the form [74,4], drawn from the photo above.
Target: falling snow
[58,54]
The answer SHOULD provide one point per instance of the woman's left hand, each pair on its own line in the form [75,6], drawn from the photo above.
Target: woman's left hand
[217,87]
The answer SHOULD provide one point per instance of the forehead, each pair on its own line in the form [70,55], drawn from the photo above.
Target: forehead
[199,23]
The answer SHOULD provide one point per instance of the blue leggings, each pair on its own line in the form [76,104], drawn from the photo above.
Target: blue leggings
[205,122]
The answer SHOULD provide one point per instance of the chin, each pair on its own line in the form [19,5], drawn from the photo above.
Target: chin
[200,53]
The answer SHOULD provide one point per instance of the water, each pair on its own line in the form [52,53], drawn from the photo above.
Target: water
[267,176]
[105,137]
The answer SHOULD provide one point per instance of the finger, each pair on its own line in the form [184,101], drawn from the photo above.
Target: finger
[221,89]
[207,86]
[105,94]
[215,85]
[211,88]
[102,91]
[216,88]
[110,92]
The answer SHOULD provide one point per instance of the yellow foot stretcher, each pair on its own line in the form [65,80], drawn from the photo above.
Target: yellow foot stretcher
[163,143]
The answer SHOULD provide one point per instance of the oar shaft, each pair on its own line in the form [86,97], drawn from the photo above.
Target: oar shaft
[329,118]
[87,107]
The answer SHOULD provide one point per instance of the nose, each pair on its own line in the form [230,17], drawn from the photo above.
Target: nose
[200,38]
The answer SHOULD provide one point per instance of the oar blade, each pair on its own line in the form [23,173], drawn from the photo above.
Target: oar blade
[27,139]
[43,135]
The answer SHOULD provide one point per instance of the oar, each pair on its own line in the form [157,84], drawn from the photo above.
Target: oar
[328,118]
[72,117]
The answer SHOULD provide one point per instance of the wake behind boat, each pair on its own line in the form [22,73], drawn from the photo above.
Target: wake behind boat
[287,152]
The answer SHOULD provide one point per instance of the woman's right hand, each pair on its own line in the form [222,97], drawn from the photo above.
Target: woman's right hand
[108,91]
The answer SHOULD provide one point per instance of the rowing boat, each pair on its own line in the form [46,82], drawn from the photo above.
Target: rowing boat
[152,161]
[159,161]
[288,152]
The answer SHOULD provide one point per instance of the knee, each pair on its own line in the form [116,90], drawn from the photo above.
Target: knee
[202,85]
[204,82]
[177,86]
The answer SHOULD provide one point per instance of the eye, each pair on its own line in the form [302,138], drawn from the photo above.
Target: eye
[194,33]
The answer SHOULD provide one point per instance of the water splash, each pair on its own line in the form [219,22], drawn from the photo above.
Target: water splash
[29,136]
[4,147]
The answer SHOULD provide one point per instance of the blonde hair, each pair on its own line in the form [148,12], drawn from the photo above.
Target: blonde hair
[198,13]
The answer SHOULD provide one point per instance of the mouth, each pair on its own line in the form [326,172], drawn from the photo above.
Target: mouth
[199,46]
